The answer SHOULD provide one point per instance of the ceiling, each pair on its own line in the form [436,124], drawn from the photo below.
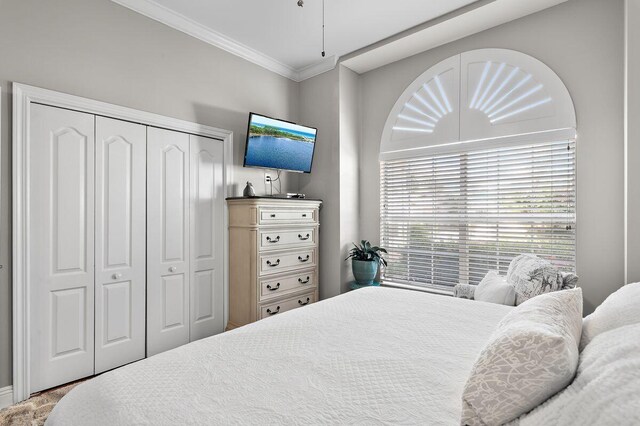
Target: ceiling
[286,38]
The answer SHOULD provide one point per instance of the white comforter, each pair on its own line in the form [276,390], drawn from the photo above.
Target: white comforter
[371,356]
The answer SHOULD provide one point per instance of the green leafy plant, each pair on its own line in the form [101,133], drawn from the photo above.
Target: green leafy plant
[366,252]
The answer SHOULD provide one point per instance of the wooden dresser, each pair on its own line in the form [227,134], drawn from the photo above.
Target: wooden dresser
[273,256]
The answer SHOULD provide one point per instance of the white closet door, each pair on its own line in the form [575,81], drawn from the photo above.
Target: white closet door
[120,243]
[60,245]
[167,239]
[207,237]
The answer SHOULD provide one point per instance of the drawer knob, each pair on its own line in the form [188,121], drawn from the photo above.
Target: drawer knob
[272,215]
[270,312]
[306,237]
[273,240]
[301,303]
[305,259]
[273,288]
[277,262]
[304,215]
[304,282]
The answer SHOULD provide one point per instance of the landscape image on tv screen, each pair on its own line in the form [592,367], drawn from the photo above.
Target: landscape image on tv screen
[276,144]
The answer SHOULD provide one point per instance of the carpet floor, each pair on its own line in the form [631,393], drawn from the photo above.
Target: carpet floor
[35,410]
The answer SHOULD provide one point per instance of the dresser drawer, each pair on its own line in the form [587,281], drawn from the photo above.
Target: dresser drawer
[276,287]
[273,263]
[287,216]
[285,238]
[274,308]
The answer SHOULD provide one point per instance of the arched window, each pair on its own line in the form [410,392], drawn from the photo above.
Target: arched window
[478,165]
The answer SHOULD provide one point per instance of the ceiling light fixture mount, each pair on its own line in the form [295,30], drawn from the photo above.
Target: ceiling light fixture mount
[323,53]
[300,3]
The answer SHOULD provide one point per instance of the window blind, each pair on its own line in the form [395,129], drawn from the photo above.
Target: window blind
[450,218]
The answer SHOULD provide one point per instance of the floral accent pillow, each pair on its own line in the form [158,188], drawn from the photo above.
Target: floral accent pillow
[532,276]
[532,355]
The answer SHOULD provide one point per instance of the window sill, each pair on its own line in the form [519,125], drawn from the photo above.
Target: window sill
[417,288]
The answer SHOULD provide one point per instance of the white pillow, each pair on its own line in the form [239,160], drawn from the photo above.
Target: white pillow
[621,308]
[494,288]
[532,355]
[606,390]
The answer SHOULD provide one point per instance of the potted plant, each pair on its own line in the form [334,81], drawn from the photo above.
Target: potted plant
[365,260]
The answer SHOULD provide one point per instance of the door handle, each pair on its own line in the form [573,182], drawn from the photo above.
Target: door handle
[116,276]
[172,269]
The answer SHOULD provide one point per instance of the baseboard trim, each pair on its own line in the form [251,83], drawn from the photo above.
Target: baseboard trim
[6,396]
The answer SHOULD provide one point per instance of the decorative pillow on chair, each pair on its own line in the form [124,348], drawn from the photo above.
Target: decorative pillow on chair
[532,276]
[532,355]
[464,291]
[621,308]
[494,288]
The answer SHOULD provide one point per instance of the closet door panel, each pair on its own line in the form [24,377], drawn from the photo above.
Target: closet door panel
[207,238]
[167,239]
[120,242]
[60,245]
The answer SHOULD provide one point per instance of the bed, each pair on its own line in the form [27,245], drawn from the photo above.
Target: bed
[370,356]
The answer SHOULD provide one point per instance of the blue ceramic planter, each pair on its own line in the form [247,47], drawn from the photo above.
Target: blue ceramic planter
[364,271]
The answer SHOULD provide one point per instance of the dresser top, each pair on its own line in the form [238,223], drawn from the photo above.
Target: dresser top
[266,197]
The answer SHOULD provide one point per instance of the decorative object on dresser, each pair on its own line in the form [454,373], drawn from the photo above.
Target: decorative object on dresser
[249,191]
[273,256]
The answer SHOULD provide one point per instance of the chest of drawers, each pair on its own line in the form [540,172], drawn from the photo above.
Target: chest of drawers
[273,257]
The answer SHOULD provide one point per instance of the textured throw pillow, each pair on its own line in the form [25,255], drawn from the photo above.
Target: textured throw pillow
[619,309]
[606,390]
[532,355]
[532,276]
[494,288]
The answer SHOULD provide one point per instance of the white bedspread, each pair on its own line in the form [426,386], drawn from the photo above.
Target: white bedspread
[371,356]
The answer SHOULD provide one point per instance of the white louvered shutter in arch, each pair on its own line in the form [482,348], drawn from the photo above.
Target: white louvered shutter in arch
[428,112]
[506,93]
[493,178]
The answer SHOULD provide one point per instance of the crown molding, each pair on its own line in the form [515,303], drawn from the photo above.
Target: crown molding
[326,64]
[162,14]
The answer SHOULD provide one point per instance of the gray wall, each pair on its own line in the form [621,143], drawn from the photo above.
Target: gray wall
[582,41]
[350,122]
[633,141]
[331,102]
[319,108]
[100,50]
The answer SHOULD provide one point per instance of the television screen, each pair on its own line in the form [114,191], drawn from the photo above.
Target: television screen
[278,144]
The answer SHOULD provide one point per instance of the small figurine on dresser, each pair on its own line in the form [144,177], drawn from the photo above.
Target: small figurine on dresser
[249,191]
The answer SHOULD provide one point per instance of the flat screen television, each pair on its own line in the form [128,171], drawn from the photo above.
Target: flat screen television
[279,144]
